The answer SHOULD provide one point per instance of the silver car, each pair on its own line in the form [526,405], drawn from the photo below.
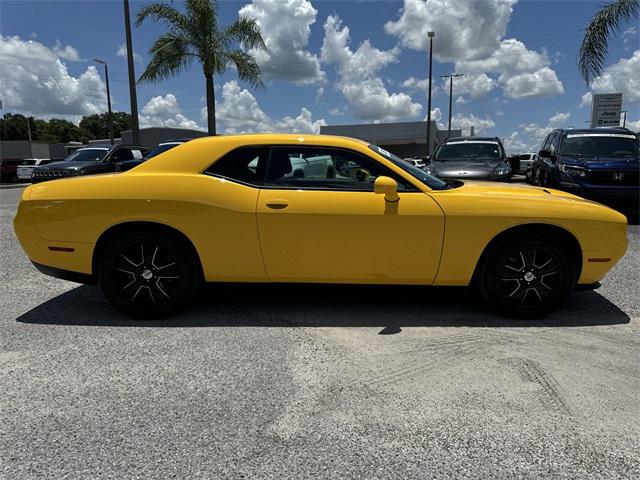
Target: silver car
[471,158]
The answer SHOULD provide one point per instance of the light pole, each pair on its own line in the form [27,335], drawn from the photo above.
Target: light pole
[133,96]
[624,121]
[109,115]
[431,35]
[450,77]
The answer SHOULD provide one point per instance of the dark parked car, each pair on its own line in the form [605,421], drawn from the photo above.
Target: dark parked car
[470,158]
[91,160]
[601,164]
[163,147]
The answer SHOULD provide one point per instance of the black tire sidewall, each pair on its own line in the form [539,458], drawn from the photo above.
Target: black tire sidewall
[490,275]
[187,265]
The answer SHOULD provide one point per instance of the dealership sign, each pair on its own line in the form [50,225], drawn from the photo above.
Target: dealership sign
[606,109]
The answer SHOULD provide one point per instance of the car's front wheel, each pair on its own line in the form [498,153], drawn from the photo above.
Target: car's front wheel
[528,275]
[149,274]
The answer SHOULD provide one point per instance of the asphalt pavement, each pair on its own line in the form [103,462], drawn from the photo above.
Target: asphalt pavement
[315,382]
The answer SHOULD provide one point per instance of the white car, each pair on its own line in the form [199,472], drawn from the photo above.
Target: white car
[416,162]
[25,169]
[526,162]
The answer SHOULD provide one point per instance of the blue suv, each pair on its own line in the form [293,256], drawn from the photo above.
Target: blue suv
[601,164]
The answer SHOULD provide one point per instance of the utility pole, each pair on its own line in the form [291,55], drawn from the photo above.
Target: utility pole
[450,77]
[29,133]
[624,121]
[431,35]
[135,128]
[110,113]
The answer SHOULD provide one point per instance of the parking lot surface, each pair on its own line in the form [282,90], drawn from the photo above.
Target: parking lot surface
[315,382]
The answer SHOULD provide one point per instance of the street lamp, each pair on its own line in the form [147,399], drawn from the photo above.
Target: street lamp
[431,35]
[450,77]
[109,115]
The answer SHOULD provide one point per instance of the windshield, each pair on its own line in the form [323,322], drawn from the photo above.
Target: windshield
[600,145]
[160,149]
[469,152]
[86,155]
[421,175]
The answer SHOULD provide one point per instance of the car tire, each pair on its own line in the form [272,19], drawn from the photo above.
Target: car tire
[149,275]
[527,275]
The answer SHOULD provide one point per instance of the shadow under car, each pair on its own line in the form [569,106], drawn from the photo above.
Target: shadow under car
[312,305]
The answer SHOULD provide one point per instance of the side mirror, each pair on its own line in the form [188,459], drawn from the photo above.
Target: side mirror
[544,153]
[388,187]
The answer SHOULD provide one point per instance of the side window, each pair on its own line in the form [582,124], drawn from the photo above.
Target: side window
[553,146]
[136,154]
[324,169]
[243,165]
[121,155]
[545,144]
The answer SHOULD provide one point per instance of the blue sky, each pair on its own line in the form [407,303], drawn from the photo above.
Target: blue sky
[365,85]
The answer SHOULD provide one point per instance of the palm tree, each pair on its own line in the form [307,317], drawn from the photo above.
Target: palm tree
[196,34]
[606,22]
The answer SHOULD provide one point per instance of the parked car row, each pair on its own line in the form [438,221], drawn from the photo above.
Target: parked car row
[92,160]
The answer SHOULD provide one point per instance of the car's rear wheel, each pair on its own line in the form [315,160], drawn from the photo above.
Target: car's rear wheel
[149,275]
[528,276]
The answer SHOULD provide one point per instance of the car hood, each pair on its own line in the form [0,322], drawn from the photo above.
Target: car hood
[515,191]
[603,163]
[75,165]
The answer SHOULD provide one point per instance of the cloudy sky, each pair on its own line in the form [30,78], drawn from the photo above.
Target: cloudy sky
[329,62]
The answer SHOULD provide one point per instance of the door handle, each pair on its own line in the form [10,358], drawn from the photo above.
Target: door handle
[277,203]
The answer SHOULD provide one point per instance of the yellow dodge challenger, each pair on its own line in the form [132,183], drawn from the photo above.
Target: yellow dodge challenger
[314,209]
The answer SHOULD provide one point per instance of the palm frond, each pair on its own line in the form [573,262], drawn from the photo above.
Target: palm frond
[170,55]
[594,48]
[245,31]
[246,66]
[165,12]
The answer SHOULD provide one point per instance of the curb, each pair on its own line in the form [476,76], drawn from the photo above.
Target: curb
[8,186]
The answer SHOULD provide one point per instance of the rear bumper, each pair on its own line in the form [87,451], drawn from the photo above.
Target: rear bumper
[76,277]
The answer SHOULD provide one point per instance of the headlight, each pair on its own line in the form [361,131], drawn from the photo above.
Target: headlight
[500,171]
[574,171]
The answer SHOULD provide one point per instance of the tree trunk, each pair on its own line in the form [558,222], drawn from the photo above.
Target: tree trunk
[211,106]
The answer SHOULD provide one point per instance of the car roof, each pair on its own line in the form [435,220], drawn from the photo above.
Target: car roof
[595,130]
[188,157]
[93,148]
[472,139]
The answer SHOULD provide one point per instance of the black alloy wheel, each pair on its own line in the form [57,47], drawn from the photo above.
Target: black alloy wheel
[528,276]
[149,275]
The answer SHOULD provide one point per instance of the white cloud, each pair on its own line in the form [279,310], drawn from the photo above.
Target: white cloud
[36,82]
[414,84]
[559,119]
[465,122]
[285,26]
[464,29]
[633,126]
[165,112]
[476,85]
[586,99]
[623,76]
[364,91]
[66,53]
[542,83]
[436,115]
[522,73]
[514,144]
[122,53]
[240,113]
[471,34]
[531,135]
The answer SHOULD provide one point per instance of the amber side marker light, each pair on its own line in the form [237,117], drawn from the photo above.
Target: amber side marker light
[61,249]
[599,260]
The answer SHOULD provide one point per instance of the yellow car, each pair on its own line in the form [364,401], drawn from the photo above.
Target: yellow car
[234,209]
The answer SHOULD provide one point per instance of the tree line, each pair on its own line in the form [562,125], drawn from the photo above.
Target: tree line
[54,130]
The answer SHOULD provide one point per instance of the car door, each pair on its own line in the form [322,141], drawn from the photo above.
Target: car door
[332,227]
